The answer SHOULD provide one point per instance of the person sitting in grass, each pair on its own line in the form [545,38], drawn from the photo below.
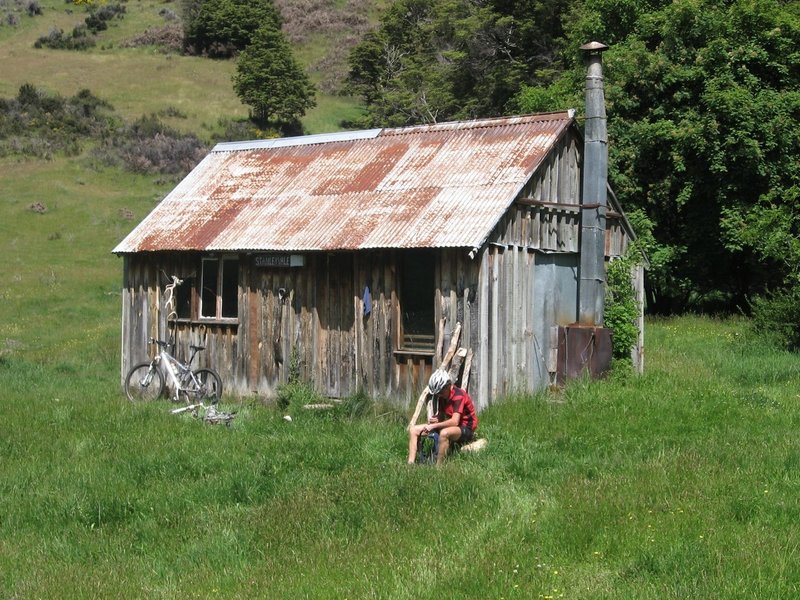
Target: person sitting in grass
[456,419]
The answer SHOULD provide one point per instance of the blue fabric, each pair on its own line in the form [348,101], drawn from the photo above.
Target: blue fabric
[367,301]
[427,452]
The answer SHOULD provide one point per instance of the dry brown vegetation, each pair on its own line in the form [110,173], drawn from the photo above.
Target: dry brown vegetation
[167,38]
[304,20]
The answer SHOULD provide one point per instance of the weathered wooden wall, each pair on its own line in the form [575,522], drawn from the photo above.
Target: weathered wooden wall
[319,330]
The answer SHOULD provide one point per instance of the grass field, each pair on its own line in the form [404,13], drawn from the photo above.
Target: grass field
[681,483]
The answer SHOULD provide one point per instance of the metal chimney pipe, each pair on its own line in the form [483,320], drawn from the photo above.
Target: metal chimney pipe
[591,287]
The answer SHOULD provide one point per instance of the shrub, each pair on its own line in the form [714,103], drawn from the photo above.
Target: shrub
[776,316]
[99,17]
[223,28]
[38,124]
[242,129]
[149,146]
[168,14]
[33,8]
[621,307]
[79,39]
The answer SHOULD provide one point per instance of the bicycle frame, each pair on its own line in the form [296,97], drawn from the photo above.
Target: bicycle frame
[177,372]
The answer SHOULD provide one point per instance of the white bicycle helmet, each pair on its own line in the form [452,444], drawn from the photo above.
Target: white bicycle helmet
[438,381]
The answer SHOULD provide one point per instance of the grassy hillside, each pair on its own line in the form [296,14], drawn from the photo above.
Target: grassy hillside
[143,80]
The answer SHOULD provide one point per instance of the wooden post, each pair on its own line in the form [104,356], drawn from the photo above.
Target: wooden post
[439,343]
[445,364]
[467,367]
[455,366]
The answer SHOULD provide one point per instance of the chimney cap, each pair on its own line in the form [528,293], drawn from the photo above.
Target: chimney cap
[594,47]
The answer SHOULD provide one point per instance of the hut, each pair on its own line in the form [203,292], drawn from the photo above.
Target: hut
[350,259]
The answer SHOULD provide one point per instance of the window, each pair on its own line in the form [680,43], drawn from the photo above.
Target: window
[417,295]
[183,299]
[219,288]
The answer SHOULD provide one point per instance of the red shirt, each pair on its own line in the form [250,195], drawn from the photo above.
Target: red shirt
[460,402]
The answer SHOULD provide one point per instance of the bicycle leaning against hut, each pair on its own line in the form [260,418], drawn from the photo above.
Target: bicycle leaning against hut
[146,381]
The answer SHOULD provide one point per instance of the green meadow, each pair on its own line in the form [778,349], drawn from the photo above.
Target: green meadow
[680,483]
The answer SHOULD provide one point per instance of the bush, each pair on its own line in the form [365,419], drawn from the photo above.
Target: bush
[234,130]
[223,28]
[39,124]
[79,39]
[776,315]
[33,8]
[149,146]
[621,307]
[99,17]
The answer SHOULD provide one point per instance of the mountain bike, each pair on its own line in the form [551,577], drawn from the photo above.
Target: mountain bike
[145,381]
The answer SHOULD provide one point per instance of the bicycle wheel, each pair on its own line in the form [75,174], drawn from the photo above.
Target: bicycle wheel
[144,383]
[210,386]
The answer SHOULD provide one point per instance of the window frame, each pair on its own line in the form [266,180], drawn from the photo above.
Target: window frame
[222,292]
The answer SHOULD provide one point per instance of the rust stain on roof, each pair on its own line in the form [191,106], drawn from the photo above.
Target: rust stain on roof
[443,185]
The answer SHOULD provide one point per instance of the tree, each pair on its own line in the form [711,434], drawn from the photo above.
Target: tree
[223,28]
[268,79]
[703,127]
[434,60]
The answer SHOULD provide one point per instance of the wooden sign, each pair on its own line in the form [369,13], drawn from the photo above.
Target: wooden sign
[280,260]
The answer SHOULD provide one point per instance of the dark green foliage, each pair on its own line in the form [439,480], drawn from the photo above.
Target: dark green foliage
[621,307]
[446,59]
[702,101]
[223,28]
[241,129]
[270,81]
[39,124]
[79,39]
[99,16]
[703,121]
[777,316]
[12,9]
[33,8]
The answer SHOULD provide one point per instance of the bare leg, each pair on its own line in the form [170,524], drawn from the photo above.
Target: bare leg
[447,435]
[413,437]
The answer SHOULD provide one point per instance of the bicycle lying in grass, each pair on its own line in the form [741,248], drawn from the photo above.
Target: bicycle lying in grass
[207,412]
[145,381]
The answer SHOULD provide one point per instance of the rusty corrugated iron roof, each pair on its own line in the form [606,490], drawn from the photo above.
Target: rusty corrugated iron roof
[430,186]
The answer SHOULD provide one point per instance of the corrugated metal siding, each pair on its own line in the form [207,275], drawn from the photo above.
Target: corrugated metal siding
[435,186]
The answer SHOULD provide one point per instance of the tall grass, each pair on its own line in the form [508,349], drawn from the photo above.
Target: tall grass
[680,483]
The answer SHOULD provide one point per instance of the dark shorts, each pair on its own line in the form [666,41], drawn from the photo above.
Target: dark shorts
[466,435]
